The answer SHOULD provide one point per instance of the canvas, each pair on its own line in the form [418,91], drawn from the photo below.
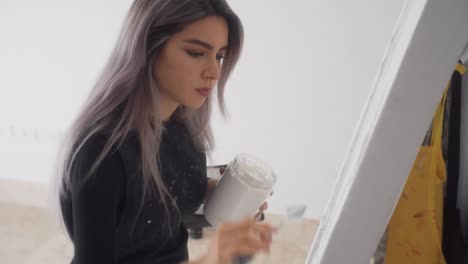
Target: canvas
[428,40]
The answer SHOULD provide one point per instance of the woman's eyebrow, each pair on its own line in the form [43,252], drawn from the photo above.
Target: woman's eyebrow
[203,44]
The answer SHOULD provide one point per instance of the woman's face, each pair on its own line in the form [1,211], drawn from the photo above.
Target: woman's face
[191,60]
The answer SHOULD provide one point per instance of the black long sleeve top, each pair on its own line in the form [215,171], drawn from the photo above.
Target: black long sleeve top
[103,216]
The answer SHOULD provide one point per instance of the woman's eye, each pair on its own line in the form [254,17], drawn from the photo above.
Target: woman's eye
[199,54]
[194,54]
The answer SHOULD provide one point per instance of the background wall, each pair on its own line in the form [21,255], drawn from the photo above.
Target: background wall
[294,99]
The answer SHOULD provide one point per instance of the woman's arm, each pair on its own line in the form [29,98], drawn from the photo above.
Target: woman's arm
[95,205]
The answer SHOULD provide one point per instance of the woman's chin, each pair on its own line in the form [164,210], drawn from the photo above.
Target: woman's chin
[195,104]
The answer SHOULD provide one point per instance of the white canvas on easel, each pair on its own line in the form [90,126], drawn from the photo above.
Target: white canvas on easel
[427,42]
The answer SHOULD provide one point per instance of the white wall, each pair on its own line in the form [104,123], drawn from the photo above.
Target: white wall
[294,99]
[300,86]
[51,52]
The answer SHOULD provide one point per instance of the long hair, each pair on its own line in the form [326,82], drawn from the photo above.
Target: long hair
[125,97]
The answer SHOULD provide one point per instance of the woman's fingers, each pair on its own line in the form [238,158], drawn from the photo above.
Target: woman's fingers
[222,169]
[256,240]
[264,229]
[258,217]
[258,236]
[239,238]
[234,226]
[248,226]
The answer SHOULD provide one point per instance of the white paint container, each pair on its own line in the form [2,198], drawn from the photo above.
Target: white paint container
[241,190]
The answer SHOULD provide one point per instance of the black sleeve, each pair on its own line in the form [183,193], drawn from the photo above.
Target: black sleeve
[95,204]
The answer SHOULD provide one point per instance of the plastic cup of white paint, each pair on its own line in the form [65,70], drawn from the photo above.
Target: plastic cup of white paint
[245,184]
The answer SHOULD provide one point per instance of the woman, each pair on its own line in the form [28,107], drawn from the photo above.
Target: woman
[135,160]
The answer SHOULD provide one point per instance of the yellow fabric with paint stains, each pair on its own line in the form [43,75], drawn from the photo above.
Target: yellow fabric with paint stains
[415,229]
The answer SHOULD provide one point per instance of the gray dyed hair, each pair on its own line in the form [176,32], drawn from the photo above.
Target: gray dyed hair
[125,96]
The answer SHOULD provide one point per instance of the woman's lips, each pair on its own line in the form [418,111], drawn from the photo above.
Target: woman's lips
[204,91]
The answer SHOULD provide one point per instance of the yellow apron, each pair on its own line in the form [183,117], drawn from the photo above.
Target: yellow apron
[414,233]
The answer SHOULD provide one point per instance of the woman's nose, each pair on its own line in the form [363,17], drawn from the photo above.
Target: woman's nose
[212,71]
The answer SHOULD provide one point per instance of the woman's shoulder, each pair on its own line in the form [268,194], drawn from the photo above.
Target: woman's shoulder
[100,147]
[100,140]
[91,167]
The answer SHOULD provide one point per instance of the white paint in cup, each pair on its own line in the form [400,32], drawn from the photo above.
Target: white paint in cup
[246,183]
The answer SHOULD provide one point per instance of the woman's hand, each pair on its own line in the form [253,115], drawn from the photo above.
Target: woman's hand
[260,215]
[213,182]
[238,238]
